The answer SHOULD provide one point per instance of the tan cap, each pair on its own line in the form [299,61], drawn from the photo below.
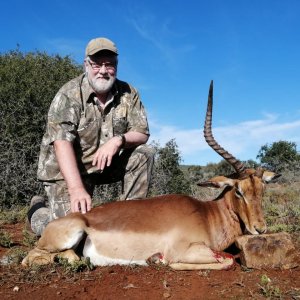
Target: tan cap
[99,44]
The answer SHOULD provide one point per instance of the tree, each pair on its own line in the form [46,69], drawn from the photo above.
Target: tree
[167,177]
[250,163]
[28,84]
[279,155]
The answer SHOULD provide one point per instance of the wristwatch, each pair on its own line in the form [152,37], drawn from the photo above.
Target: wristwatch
[122,137]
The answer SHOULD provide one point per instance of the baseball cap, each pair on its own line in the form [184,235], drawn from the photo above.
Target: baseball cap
[99,44]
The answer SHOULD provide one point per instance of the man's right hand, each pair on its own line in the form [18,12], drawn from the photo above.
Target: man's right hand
[80,200]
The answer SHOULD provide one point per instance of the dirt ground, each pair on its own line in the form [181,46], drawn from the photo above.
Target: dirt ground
[54,282]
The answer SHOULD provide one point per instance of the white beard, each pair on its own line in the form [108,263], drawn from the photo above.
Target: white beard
[101,85]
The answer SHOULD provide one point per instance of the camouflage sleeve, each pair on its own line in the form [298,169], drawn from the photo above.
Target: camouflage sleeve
[137,117]
[63,119]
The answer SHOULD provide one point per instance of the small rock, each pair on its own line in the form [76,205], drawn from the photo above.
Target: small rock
[130,286]
[165,284]
[268,251]
[16,289]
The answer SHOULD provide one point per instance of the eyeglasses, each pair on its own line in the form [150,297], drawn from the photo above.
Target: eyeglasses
[108,66]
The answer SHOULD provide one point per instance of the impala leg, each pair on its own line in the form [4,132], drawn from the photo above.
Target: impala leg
[69,254]
[60,237]
[42,257]
[200,257]
[38,257]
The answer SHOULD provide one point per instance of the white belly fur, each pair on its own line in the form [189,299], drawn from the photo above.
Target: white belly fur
[99,260]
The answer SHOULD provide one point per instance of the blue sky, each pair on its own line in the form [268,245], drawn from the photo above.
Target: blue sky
[171,49]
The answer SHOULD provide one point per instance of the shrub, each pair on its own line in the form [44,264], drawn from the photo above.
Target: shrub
[167,177]
[279,155]
[5,239]
[28,84]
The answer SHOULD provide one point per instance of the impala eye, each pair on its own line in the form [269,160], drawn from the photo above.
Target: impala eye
[238,193]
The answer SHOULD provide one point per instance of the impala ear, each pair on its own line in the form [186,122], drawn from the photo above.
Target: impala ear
[217,182]
[269,176]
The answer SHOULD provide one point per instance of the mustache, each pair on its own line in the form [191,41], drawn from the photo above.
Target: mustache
[101,86]
[103,77]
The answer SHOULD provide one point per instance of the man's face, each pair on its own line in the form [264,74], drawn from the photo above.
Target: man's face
[101,72]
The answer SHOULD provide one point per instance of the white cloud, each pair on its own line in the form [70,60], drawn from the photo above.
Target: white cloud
[243,139]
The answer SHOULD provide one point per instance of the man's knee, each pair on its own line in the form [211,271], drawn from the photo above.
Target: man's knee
[146,150]
[58,197]
[143,154]
[39,220]
[138,173]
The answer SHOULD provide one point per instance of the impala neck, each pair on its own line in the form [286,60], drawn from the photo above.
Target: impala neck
[228,220]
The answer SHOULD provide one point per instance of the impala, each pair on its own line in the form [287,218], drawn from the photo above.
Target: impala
[176,230]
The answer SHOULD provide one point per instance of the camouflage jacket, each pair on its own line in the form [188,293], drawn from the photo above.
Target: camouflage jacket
[75,116]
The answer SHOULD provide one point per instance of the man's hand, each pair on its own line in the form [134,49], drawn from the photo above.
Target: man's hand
[105,153]
[80,200]
[79,197]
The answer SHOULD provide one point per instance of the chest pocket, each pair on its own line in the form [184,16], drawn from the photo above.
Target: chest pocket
[120,125]
[119,120]
[88,131]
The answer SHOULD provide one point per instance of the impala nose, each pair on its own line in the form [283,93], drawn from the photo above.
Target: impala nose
[261,230]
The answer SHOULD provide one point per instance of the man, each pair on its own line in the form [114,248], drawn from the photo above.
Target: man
[96,133]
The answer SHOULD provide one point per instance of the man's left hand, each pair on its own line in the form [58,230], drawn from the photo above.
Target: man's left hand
[104,155]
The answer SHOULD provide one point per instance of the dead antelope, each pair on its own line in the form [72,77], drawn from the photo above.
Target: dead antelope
[176,230]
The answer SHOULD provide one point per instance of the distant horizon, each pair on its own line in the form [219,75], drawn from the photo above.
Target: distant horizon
[251,51]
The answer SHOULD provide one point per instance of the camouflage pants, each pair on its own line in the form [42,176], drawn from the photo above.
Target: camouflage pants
[132,166]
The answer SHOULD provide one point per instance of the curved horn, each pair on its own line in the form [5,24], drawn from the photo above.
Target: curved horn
[236,164]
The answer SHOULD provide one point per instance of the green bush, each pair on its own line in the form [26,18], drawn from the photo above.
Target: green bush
[16,214]
[28,84]
[167,176]
[279,155]
[5,239]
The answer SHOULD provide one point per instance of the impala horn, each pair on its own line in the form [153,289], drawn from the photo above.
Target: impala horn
[236,164]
